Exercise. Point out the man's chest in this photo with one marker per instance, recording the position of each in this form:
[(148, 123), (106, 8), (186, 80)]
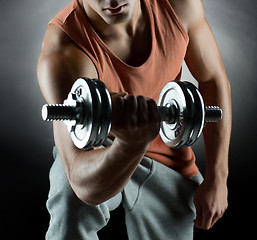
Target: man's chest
[(134, 51)]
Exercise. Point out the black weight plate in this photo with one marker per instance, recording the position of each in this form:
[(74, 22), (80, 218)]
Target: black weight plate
[(97, 111), (199, 114), (202, 117), (189, 121), (106, 113), (192, 116)]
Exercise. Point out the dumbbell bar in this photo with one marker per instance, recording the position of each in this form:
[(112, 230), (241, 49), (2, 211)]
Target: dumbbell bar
[(87, 113)]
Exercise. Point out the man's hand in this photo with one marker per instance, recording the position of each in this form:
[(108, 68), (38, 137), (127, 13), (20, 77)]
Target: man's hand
[(210, 203), (135, 120)]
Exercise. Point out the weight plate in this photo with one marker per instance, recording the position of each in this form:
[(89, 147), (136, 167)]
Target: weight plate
[(189, 123), (192, 118), (105, 113), (199, 114), (97, 109), (202, 118), (172, 134), (84, 134)]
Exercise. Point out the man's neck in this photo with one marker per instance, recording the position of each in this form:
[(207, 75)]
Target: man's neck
[(106, 30)]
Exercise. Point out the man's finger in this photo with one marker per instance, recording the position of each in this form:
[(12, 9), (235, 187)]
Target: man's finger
[(198, 219), (216, 217), (207, 216), (119, 94)]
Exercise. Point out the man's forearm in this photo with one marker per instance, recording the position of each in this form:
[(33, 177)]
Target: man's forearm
[(97, 175), (101, 174), (217, 135)]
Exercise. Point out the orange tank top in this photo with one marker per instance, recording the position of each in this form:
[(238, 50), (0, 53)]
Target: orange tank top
[(169, 44)]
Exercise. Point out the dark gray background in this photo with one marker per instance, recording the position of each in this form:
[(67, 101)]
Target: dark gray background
[(26, 141)]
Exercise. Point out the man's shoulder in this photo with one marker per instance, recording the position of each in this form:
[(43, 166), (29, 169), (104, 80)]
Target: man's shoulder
[(188, 7), (60, 63), (55, 41), (58, 45), (185, 2), (188, 11)]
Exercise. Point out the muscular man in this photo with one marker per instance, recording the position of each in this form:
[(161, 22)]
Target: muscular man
[(135, 47)]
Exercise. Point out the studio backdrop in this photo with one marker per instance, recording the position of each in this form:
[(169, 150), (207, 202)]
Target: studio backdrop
[(26, 141)]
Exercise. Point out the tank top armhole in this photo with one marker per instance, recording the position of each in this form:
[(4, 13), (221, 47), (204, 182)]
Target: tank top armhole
[(177, 20), (57, 22)]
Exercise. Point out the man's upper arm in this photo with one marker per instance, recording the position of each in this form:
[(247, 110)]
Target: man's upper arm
[(203, 57), (60, 64), (55, 77)]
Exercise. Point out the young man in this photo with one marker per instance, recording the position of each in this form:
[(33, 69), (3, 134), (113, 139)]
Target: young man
[(135, 47)]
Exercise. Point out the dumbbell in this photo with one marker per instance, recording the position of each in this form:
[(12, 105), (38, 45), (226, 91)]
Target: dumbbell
[(87, 112)]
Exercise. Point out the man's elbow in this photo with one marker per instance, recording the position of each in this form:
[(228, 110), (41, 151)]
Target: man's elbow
[(91, 196), (89, 201)]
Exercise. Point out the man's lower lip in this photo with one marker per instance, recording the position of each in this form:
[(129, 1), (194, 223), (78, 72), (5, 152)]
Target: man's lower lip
[(114, 11)]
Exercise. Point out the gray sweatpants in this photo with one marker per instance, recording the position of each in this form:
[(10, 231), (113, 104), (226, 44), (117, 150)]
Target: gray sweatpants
[(158, 204)]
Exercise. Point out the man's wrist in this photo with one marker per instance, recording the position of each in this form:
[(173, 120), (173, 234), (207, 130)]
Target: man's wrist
[(217, 174), (130, 149)]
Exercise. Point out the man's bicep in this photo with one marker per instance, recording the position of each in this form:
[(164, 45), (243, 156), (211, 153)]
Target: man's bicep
[(57, 72), (55, 76), (203, 57)]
